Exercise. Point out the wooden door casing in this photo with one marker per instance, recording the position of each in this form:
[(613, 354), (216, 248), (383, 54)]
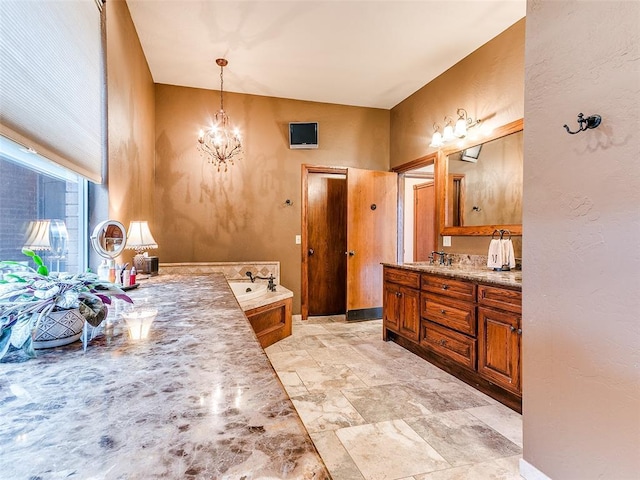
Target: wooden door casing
[(371, 235)]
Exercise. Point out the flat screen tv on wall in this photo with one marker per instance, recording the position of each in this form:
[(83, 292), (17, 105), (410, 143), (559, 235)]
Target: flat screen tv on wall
[(303, 135), (471, 154)]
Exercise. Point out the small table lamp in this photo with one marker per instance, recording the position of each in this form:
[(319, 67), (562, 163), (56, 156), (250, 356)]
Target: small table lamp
[(50, 236), (139, 238)]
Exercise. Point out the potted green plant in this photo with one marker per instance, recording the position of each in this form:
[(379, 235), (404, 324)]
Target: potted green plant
[(40, 310)]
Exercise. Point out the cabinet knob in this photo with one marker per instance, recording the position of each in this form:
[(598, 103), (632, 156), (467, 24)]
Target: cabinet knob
[(398, 294), (445, 286), (519, 331), (513, 329), (443, 312), (351, 253)]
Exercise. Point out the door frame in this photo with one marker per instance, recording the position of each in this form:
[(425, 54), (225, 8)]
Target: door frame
[(304, 287), (401, 170), (432, 184)]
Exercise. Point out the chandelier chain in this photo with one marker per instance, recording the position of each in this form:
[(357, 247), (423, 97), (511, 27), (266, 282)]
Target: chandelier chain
[(221, 88)]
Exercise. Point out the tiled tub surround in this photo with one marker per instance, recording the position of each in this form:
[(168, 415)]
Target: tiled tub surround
[(233, 271), (198, 399)]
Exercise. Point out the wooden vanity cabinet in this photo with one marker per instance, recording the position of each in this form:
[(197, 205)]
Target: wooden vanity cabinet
[(499, 336), (469, 329), (448, 319), (401, 303)]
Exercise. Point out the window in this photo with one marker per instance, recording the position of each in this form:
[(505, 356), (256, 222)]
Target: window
[(42, 207)]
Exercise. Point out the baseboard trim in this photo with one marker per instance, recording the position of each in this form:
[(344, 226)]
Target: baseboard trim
[(529, 472), (364, 314)]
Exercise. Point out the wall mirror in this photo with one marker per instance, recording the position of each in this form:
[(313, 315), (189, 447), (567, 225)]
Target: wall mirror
[(480, 185), (109, 238)]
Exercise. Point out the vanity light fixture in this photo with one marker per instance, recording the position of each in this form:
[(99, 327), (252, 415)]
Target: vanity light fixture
[(220, 144), (450, 131)]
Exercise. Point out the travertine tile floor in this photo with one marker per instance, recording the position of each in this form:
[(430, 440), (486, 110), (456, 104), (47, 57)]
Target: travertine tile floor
[(376, 411)]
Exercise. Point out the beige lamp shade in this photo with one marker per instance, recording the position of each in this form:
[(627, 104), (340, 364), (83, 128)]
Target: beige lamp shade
[(139, 236), (49, 235), (38, 235)]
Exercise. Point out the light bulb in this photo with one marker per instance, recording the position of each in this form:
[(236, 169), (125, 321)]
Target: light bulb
[(436, 140), (461, 128), (447, 134)]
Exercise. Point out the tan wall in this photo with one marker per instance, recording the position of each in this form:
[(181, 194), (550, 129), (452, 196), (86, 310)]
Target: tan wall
[(205, 215), (581, 281), (130, 105), (489, 84)]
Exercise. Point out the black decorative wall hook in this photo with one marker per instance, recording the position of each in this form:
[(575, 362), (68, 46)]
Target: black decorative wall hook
[(590, 122)]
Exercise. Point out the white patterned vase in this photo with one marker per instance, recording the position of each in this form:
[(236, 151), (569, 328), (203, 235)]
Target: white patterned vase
[(59, 328)]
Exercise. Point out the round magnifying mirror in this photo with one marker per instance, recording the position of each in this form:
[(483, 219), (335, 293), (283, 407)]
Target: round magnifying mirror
[(109, 238)]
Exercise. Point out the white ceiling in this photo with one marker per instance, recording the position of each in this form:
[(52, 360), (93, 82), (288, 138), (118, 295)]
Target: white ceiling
[(350, 52)]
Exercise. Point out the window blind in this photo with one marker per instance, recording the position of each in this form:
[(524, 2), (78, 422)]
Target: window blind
[(51, 81)]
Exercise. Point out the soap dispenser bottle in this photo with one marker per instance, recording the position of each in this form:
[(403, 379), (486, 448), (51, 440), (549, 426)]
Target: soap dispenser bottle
[(103, 270)]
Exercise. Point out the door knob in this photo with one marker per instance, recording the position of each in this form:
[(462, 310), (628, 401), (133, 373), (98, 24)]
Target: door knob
[(311, 251)]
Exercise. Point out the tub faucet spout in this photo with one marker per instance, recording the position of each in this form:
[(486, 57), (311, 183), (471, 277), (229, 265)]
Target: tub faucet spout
[(271, 286)]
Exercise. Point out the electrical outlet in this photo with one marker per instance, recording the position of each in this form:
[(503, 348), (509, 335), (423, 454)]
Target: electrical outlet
[(446, 241), (298, 239)]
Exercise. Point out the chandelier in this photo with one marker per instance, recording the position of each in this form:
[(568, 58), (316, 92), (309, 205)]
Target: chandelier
[(450, 131), (220, 144)]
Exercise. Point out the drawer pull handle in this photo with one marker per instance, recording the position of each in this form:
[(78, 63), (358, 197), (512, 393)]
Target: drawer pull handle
[(445, 286), (443, 343)]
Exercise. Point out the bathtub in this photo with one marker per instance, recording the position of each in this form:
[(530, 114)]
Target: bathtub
[(246, 290)]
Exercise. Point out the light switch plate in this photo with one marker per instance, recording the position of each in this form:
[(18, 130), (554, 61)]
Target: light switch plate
[(446, 241), (298, 239)]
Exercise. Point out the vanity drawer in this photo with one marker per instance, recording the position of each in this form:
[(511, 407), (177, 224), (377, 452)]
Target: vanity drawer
[(455, 346), (501, 298), (459, 289), (402, 277), (459, 316)]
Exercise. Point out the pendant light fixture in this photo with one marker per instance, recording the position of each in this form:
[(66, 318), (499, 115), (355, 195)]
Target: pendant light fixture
[(219, 143)]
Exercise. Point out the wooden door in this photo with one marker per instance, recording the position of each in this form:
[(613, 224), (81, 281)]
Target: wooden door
[(326, 243), (371, 238), (424, 221)]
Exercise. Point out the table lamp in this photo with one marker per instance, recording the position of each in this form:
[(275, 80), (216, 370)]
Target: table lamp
[(139, 238)]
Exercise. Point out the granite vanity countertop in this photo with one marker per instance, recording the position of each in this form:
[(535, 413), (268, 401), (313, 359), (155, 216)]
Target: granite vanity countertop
[(512, 278), (198, 399)]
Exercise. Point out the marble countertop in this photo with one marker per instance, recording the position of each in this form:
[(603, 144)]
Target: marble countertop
[(198, 399), (511, 279)]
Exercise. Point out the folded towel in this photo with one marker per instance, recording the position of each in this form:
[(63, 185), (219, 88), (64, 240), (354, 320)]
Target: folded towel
[(508, 257), (494, 258)]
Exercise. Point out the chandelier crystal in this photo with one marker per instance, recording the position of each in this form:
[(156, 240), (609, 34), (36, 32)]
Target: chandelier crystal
[(220, 144)]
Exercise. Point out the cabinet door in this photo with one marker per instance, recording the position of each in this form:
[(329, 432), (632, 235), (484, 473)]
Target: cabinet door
[(499, 348), (409, 313), (391, 308)]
